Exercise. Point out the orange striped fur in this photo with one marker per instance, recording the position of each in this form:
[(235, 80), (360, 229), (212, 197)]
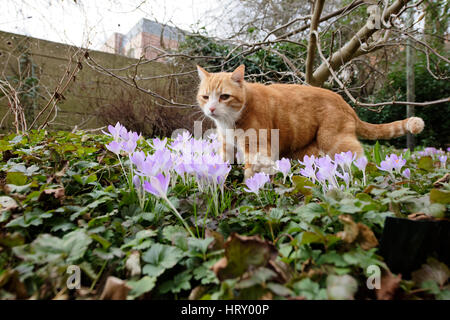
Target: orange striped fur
[(311, 120)]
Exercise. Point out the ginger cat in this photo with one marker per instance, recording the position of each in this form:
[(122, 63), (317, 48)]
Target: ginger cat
[(311, 120)]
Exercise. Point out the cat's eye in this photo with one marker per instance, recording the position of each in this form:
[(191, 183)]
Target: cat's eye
[(224, 97), (205, 97)]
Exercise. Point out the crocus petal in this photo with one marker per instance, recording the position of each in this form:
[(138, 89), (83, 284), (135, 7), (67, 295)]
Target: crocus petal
[(114, 147)]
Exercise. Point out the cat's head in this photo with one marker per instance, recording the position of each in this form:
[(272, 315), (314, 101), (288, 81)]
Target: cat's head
[(221, 95)]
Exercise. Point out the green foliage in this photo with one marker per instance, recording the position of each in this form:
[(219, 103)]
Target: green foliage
[(264, 63), (427, 88), (63, 202)]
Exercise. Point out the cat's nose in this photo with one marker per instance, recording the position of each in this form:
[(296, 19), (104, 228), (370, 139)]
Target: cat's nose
[(212, 109)]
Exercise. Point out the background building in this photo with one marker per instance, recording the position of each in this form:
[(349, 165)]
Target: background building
[(144, 39)]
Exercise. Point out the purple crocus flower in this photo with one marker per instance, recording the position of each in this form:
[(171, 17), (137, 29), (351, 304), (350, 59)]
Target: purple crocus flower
[(148, 168), (163, 159), (397, 162), (309, 172), (406, 173), (430, 151), (114, 147), (361, 163), (283, 166), (256, 182), (158, 144), (386, 165), (327, 168), (308, 161), (138, 158), (217, 172), (129, 146), (137, 182), (344, 159), (443, 160), (115, 131), (158, 185), (129, 135)]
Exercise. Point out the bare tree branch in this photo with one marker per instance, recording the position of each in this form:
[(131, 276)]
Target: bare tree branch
[(318, 7), (347, 52)]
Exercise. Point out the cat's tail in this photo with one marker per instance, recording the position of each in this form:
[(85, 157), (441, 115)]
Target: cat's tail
[(390, 130)]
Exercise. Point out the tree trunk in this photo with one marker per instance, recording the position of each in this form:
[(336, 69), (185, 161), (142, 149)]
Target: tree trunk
[(410, 94)]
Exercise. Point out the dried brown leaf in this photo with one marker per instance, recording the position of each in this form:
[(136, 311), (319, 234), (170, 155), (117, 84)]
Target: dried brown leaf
[(440, 182), (218, 242), (115, 289), (133, 264), (388, 286), (366, 238), (350, 229), (432, 270), (243, 254), (419, 216), (197, 292)]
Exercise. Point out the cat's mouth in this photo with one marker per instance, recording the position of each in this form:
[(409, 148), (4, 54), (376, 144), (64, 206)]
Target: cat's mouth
[(213, 116)]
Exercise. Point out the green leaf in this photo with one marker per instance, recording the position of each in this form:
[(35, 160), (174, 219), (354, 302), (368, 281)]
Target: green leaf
[(199, 245), (105, 243), (426, 163), (377, 153), (332, 257), (33, 218), (309, 289), (302, 185), (16, 178), (75, 243), (310, 212), (258, 277), (180, 282), (279, 289), (440, 196), (159, 258), (140, 287), (205, 274)]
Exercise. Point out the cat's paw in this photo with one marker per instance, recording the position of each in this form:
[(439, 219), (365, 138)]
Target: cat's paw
[(248, 173)]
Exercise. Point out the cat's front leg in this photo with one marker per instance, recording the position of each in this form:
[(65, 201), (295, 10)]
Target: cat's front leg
[(248, 171)]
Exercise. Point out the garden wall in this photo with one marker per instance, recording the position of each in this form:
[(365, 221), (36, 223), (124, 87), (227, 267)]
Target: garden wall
[(91, 93)]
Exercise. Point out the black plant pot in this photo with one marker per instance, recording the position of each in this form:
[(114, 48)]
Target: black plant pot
[(406, 244)]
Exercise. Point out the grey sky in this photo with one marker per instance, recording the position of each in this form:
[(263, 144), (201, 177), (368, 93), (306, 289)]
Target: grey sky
[(75, 23)]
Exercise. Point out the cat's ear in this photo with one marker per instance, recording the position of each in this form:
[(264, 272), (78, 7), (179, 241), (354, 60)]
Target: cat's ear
[(238, 74), (202, 73)]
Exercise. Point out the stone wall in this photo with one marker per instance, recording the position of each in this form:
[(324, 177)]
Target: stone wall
[(91, 91)]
